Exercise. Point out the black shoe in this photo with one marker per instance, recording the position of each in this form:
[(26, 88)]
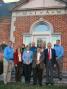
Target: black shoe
[(60, 79), (47, 83), (40, 84), (34, 83), (52, 84)]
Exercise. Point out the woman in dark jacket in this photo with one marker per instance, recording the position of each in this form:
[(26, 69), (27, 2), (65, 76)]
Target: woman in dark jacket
[(38, 66)]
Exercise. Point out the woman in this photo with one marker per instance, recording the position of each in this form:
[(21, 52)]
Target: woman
[(18, 64), (38, 65), (27, 63)]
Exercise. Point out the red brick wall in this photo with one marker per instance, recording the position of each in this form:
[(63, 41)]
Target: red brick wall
[(23, 25), (59, 22), (4, 30)]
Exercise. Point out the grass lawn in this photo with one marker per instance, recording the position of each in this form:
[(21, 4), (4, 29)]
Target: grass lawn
[(24, 86)]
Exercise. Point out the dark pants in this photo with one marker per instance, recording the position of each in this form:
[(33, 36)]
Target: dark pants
[(1, 67), (18, 72), (37, 75), (27, 72), (49, 72)]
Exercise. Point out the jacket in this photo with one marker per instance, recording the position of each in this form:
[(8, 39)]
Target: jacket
[(35, 60), (9, 53)]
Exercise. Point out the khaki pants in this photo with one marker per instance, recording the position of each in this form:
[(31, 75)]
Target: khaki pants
[(59, 64), (8, 66)]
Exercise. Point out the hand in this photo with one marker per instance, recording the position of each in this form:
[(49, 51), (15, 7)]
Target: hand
[(28, 61), (15, 65), (38, 62)]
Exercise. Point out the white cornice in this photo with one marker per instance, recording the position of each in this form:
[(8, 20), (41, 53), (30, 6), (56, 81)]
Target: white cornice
[(40, 12)]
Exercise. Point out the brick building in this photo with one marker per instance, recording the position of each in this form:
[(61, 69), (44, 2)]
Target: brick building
[(37, 20)]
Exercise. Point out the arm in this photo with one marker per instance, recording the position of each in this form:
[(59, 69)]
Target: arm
[(6, 53), (24, 57), (42, 57), (61, 52)]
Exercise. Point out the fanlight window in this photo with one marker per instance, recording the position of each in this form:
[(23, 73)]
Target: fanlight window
[(41, 28)]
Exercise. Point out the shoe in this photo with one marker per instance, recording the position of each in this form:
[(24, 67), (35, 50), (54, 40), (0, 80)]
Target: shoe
[(52, 84), (47, 83), (40, 84), (34, 83), (60, 79)]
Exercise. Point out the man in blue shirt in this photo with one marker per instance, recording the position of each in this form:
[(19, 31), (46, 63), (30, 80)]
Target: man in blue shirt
[(59, 58), (8, 62), (33, 47)]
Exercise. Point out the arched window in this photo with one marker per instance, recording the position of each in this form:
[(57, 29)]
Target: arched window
[(41, 28), (41, 31)]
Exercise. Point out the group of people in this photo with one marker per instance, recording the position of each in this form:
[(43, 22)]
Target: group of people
[(31, 59)]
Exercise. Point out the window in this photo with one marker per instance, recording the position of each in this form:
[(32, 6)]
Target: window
[(41, 28), (27, 39)]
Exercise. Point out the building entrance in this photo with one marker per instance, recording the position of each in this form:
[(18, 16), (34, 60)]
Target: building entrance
[(41, 31)]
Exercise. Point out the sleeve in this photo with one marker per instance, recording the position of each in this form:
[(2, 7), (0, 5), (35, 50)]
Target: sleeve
[(61, 52), (44, 53), (24, 57), (42, 56), (15, 58), (6, 56), (54, 56)]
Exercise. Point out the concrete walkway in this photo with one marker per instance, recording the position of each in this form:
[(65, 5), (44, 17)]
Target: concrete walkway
[(56, 80)]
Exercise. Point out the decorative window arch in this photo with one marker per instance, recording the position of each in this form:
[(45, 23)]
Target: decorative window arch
[(41, 27), (41, 30)]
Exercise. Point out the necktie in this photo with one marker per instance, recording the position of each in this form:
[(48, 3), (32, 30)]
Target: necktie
[(49, 54)]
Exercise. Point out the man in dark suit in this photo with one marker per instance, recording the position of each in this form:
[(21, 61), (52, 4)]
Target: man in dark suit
[(50, 57)]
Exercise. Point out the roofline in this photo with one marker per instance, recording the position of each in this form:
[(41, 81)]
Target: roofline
[(25, 1), (40, 8), (63, 1), (20, 3)]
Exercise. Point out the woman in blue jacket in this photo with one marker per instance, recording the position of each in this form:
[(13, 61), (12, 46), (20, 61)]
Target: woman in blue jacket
[(27, 59)]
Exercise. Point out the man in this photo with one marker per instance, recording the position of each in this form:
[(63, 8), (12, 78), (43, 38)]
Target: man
[(3, 45), (33, 47), (8, 62), (59, 58), (1, 60), (43, 46), (34, 50), (50, 57)]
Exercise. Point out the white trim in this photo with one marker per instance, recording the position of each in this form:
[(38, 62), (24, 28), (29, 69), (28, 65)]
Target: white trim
[(25, 35), (40, 12), (12, 37)]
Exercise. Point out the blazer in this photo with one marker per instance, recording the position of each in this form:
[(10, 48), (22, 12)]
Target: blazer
[(16, 58), (35, 60), (53, 55)]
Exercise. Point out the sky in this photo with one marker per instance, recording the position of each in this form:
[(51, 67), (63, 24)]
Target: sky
[(6, 1)]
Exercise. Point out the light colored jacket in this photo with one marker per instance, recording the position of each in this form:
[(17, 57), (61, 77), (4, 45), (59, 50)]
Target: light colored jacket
[(27, 56)]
